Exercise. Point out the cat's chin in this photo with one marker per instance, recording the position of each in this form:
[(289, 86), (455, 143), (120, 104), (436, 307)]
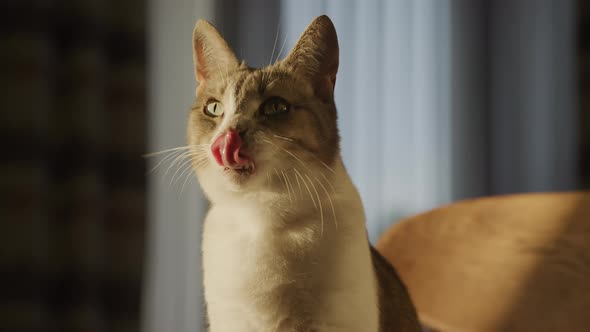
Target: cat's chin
[(218, 181), (238, 174), (239, 177)]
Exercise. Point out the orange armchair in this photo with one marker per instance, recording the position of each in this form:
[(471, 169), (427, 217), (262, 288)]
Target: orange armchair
[(505, 263)]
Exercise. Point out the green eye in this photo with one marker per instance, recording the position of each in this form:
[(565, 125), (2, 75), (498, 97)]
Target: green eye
[(275, 105), (214, 109)]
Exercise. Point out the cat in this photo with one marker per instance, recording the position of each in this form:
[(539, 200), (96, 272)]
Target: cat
[(284, 242)]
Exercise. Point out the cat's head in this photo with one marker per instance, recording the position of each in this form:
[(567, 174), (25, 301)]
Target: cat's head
[(256, 129)]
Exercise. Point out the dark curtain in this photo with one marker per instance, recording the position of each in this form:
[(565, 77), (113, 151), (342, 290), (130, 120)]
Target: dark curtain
[(584, 90), (72, 127)]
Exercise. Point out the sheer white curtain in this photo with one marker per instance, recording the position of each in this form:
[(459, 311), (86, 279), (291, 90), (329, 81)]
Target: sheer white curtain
[(172, 298)]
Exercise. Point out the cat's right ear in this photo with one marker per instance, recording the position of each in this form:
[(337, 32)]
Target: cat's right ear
[(211, 54)]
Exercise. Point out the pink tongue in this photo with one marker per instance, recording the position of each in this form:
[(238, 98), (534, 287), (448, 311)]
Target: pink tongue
[(226, 150)]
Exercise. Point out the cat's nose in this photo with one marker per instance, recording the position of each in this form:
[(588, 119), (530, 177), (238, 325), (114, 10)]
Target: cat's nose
[(227, 150)]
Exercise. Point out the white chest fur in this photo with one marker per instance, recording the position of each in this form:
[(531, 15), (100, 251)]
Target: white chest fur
[(260, 277)]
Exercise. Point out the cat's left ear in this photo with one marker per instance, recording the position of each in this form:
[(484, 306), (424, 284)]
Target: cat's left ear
[(210, 51), (315, 55)]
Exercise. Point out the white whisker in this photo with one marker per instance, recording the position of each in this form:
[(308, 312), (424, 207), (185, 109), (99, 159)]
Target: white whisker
[(289, 152), (306, 187), (328, 182), (298, 184), (281, 50), (189, 176), (168, 157), (182, 165), (188, 168), (326, 166), (186, 161), (288, 189), (283, 137), (311, 154), (290, 183), (330, 201), (152, 154), (319, 203), (176, 160), (200, 162), (279, 176), (275, 44)]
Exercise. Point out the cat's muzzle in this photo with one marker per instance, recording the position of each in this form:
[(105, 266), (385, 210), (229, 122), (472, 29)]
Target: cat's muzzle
[(228, 152)]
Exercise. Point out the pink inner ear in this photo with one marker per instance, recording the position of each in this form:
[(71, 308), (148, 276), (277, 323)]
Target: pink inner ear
[(200, 62), (200, 75)]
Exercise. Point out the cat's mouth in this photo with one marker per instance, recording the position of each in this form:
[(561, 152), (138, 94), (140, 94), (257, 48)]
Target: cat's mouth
[(229, 153), (241, 170)]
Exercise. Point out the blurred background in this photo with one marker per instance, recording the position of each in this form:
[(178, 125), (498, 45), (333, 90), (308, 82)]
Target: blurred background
[(438, 100)]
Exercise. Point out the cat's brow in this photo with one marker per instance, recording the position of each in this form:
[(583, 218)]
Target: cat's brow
[(238, 85)]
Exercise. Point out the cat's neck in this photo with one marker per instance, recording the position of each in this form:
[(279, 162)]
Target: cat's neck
[(260, 250)]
